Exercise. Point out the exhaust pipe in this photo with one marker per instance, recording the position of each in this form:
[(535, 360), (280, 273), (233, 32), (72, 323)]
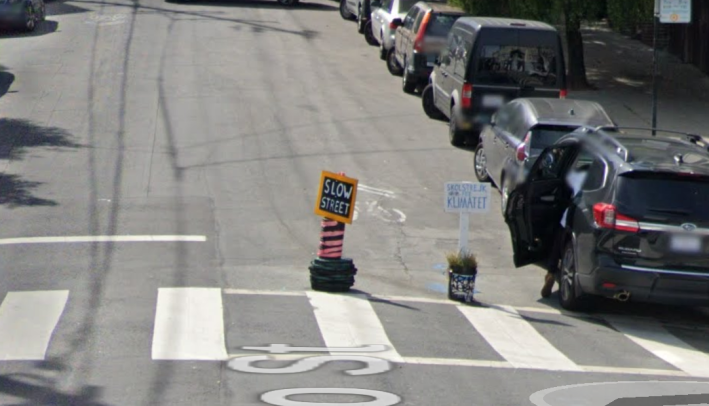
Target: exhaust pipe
[(622, 296)]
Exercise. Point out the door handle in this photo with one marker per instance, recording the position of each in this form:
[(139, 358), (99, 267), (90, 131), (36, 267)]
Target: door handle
[(445, 75)]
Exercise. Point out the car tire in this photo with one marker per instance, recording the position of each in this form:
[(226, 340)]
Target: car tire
[(360, 20), (344, 13), (382, 50), (30, 20), (569, 297), (392, 64), (455, 135), (369, 35), (480, 163), (504, 193), (429, 105), (407, 85)]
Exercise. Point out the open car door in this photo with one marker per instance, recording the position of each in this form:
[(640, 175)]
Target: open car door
[(535, 207)]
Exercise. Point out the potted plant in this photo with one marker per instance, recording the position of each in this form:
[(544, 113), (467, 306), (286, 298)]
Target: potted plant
[(462, 270)]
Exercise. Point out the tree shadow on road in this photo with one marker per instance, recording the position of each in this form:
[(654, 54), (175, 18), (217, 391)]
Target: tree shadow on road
[(37, 391), (16, 135), (6, 79)]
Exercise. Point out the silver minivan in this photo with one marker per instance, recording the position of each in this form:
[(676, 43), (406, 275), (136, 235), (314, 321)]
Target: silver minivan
[(521, 129)]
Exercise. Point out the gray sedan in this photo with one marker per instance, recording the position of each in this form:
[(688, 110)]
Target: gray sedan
[(521, 129)]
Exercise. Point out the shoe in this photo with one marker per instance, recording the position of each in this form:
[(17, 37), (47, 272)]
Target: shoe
[(548, 285)]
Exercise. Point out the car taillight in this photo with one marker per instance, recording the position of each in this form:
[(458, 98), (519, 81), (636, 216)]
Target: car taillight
[(418, 42), (523, 148), (466, 98), (606, 216), (563, 93), (393, 26)]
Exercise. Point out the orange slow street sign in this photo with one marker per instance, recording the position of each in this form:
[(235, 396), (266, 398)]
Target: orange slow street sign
[(336, 197)]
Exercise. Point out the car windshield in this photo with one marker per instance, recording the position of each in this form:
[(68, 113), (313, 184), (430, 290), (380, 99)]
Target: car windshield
[(683, 198), (441, 24), (544, 136)]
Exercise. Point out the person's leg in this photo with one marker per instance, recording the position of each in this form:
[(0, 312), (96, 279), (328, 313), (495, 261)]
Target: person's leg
[(553, 264)]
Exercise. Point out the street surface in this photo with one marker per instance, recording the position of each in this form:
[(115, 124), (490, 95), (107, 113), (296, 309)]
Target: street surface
[(160, 163)]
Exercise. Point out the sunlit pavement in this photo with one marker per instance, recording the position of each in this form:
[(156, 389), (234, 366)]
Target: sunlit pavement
[(160, 164)]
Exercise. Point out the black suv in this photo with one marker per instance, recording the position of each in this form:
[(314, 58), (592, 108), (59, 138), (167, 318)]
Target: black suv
[(638, 226), (419, 40)]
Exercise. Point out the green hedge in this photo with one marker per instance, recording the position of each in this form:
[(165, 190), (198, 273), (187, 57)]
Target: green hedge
[(626, 15)]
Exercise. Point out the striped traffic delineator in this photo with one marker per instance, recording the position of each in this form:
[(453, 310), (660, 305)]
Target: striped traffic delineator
[(330, 272)]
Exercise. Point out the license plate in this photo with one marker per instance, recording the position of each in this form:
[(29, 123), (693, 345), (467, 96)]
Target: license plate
[(493, 101), (690, 244)]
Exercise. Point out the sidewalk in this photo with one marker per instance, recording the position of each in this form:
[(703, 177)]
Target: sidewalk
[(621, 70)]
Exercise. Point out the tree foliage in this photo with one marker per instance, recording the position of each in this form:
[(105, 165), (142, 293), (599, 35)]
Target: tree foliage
[(626, 15)]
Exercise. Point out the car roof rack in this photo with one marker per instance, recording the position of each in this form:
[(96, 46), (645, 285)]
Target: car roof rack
[(606, 138), (693, 138)]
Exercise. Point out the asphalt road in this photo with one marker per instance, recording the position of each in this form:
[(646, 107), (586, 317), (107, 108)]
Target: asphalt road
[(191, 136)]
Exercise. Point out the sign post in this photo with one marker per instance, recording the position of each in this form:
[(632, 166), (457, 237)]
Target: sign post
[(465, 198), (666, 12), (335, 203)]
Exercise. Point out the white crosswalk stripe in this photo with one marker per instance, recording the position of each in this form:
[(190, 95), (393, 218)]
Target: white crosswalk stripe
[(350, 321), (656, 339), (516, 340), (27, 321), (189, 325)]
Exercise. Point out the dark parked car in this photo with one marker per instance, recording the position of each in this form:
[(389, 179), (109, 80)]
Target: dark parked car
[(23, 14), (419, 40), (487, 62), (637, 230), (521, 129)]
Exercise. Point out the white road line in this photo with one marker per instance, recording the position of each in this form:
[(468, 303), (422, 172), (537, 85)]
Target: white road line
[(458, 362), (263, 292), (189, 325), (27, 321), (633, 371), (103, 238), (375, 191), (350, 321), (516, 340), (657, 340)]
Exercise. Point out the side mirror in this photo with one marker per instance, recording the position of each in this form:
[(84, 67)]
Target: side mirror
[(397, 22)]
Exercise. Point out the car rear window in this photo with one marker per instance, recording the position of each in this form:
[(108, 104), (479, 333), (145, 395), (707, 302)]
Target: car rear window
[(544, 136), (441, 24), (668, 198), (518, 58)]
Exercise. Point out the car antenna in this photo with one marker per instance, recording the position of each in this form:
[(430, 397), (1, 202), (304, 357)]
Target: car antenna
[(572, 112)]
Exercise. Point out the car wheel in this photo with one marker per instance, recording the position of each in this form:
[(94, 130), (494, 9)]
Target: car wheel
[(455, 135), (392, 64), (344, 12), (360, 20), (429, 107), (382, 50), (30, 20), (480, 162), (504, 194), (568, 298), (369, 35), (407, 85)]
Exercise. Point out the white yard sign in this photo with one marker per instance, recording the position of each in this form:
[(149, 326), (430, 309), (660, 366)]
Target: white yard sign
[(465, 198), (675, 11)]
